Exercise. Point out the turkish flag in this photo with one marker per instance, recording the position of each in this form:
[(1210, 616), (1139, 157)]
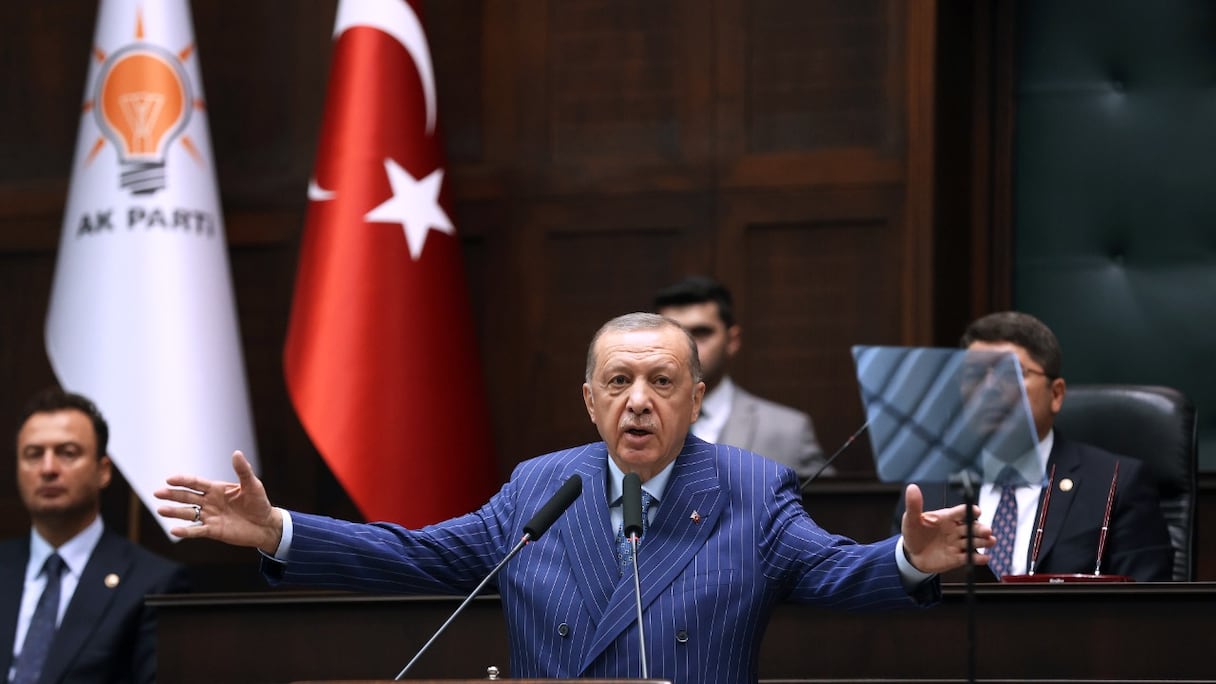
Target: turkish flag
[(381, 360)]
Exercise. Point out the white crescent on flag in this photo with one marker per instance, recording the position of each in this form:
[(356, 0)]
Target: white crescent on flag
[(397, 19)]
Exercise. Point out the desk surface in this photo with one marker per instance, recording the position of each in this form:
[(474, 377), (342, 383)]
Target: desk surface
[(1024, 632)]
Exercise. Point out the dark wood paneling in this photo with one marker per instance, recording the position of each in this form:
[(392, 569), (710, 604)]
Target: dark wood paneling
[(816, 272), (598, 150), (590, 267), (1090, 638)]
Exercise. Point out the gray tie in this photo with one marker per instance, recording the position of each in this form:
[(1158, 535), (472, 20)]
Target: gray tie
[(42, 626)]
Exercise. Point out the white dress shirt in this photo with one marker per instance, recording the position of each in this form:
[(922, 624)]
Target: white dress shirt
[(1028, 504), (715, 411), (75, 554)]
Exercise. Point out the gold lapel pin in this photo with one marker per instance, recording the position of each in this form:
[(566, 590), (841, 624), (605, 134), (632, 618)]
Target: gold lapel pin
[(1066, 485), (111, 580)]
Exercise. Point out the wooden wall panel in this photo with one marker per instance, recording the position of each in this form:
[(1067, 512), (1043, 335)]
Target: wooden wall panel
[(45, 54), (822, 75), (598, 150), (818, 272), (799, 73), (597, 259)]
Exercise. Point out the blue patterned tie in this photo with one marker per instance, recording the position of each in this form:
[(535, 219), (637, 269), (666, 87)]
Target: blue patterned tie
[(624, 549), (42, 626), (1005, 525)]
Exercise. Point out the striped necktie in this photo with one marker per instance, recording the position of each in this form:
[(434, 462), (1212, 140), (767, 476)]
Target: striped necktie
[(42, 625), (624, 549), (1005, 523)]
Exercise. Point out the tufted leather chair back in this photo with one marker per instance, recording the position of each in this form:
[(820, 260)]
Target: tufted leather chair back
[(1155, 425), (1114, 218)]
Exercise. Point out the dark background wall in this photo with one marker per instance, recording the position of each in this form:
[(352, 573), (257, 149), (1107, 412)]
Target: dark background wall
[(847, 167), (1115, 219)]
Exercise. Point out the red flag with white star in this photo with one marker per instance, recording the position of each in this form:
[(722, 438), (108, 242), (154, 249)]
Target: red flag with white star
[(381, 360)]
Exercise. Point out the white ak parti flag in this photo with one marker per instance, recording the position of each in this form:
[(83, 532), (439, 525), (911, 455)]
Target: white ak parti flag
[(142, 317)]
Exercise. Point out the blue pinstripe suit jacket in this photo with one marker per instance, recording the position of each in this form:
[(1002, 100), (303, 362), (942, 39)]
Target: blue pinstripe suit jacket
[(708, 587)]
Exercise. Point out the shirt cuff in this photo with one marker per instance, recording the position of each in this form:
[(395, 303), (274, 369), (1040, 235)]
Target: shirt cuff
[(280, 553), (908, 573)]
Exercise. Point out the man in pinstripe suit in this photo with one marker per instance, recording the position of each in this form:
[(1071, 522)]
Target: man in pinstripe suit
[(727, 540)]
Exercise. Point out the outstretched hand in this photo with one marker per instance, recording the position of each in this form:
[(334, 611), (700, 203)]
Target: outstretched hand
[(237, 513), (936, 541)]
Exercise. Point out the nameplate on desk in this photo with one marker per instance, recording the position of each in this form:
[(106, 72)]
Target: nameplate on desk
[(1064, 578)]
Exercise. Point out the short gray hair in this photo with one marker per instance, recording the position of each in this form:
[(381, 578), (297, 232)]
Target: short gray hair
[(644, 321)]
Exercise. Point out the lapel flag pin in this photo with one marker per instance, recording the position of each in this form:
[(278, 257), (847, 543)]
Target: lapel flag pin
[(695, 517)]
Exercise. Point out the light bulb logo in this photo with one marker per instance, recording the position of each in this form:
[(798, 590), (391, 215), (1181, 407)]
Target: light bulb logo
[(142, 105)]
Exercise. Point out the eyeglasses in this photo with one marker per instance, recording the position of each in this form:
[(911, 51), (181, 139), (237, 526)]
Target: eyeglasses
[(973, 375), (1027, 372)]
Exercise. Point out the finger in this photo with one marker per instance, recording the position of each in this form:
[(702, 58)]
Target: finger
[(244, 471), (190, 532), (185, 496), (194, 482), (180, 512), (914, 501)]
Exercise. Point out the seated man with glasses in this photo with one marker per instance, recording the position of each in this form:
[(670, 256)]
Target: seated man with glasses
[(1074, 478)]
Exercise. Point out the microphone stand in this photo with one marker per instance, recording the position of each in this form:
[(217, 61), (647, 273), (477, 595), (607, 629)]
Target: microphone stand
[(544, 518), (631, 525), (637, 592), (815, 476), (966, 482), (511, 554)]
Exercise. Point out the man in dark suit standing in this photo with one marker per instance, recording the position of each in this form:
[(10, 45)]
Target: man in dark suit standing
[(72, 592), (726, 538), (1079, 475), (729, 413)]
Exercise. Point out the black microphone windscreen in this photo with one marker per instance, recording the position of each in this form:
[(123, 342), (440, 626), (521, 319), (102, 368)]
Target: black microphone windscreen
[(631, 504), (548, 514)]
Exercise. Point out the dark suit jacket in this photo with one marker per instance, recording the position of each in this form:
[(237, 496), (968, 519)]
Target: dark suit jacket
[(774, 431), (1137, 542), (730, 539), (107, 635)]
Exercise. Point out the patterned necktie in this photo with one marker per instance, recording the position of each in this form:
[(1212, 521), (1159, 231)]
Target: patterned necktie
[(42, 625), (1005, 525), (624, 549)]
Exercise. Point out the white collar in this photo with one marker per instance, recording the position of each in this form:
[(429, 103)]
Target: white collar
[(75, 552), (655, 486), (717, 402), (1031, 474)]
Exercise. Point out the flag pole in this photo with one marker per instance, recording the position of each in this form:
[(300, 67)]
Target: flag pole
[(134, 505)]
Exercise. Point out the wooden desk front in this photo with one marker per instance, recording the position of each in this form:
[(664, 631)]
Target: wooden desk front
[(1127, 632)]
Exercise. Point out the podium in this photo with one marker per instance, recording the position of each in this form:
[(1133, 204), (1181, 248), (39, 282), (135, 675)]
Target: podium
[(1123, 631)]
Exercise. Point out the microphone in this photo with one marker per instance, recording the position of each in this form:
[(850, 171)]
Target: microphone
[(538, 525), (631, 507), (1038, 532), (848, 442), (1110, 501), (631, 504), (557, 504)]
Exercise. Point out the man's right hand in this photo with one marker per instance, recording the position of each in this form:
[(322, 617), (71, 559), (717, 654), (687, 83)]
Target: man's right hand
[(237, 513)]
